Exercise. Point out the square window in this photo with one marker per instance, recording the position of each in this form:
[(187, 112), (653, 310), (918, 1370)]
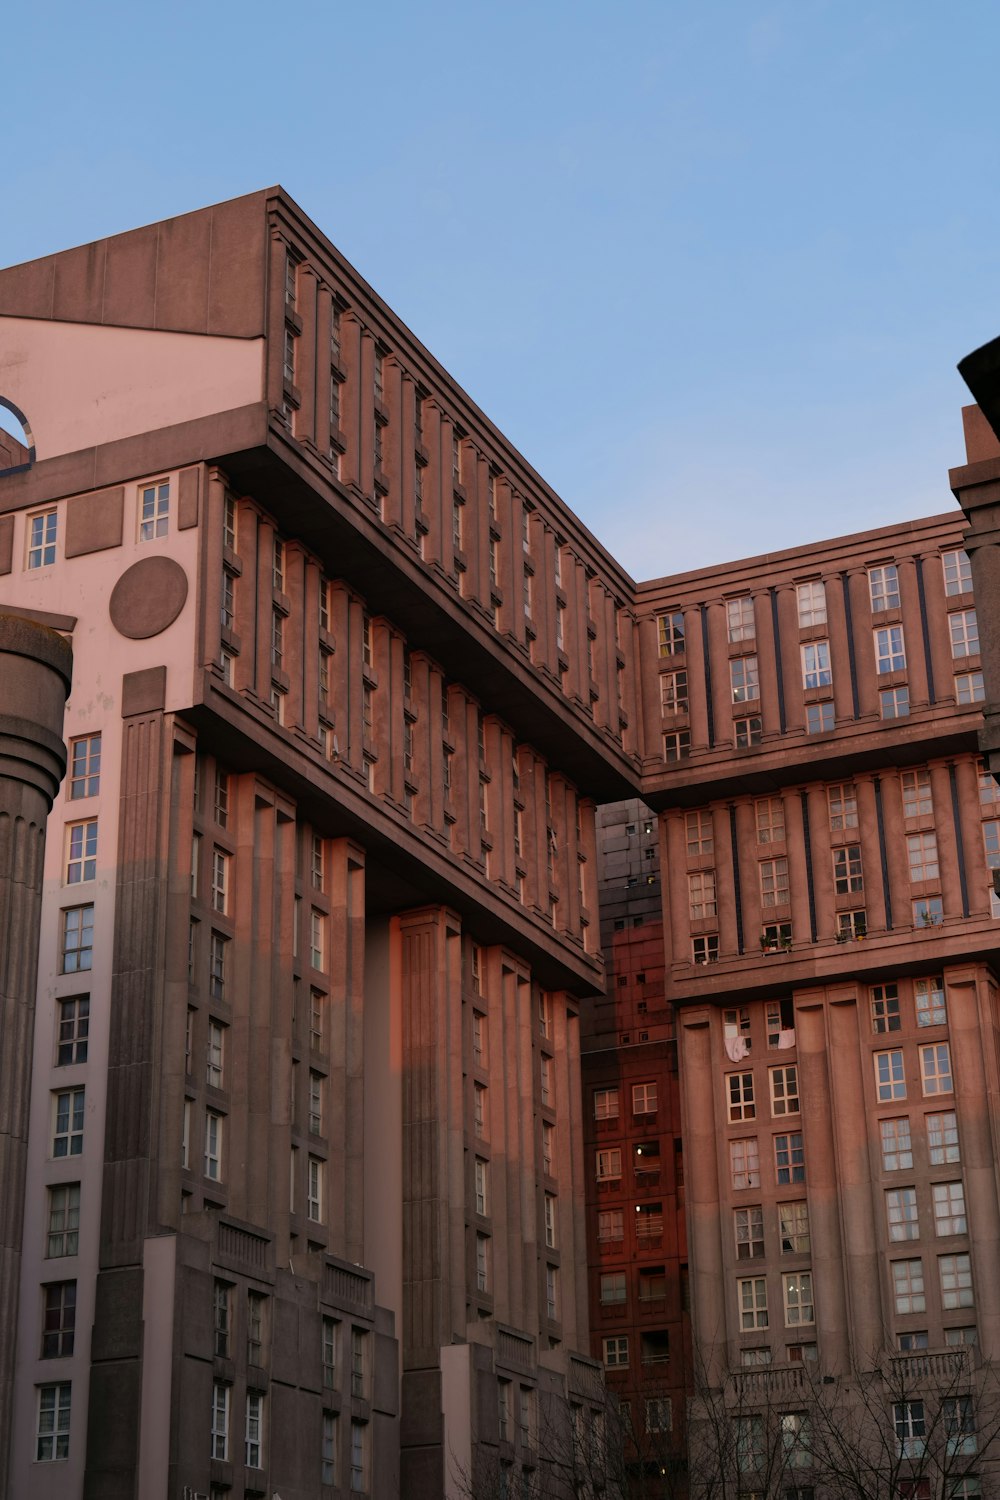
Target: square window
[(921, 853), (63, 1236), (84, 766), (793, 1228), (77, 939), (154, 510), (901, 1213), (964, 628), (68, 1117), (811, 598), (42, 531), (955, 1272), (744, 1163), (798, 1291), (789, 1159), (969, 687), (74, 1027), (883, 587), (747, 732), (935, 1069), (784, 1090), (942, 1138), (52, 1429), (894, 703), (851, 924), (908, 1286), (897, 1148), (677, 746), (885, 1008), (749, 1227), (890, 650), (741, 1099), (819, 718), (928, 911), (949, 1208), (752, 1298), (816, 669), (705, 949), (890, 1080)]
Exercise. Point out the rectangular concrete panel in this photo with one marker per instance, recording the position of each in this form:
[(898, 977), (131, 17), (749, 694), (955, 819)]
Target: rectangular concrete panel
[(94, 522)]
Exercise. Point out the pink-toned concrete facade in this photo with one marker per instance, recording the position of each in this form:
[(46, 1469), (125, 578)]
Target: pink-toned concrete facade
[(306, 1210), (316, 1143)]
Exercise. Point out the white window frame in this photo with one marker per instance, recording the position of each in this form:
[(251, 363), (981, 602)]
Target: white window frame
[(935, 1069), (153, 510), (816, 669), (811, 601), (797, 1292), (751, 1302), (890, 649)]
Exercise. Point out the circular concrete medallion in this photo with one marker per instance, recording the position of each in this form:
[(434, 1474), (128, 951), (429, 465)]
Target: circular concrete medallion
[(148, 597)]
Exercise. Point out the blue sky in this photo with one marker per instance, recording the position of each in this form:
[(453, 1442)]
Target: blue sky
[(709, 265)]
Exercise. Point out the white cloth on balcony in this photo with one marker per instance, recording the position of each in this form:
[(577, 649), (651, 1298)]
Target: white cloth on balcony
[(737, 1047), (786, 1039)]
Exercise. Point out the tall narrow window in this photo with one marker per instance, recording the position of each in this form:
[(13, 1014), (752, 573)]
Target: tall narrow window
[(957, 573), (74, 1030), (816, 670), (67, 1133), (154, 510), (59, 1320), (52, 1429), (63, 1236), (812, 604), (85, 766), (77, 939), (883, 585), (42, 533)]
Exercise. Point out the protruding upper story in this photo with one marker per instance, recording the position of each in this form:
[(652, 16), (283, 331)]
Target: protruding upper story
[(239, 334), (376, 586), (781, 667)]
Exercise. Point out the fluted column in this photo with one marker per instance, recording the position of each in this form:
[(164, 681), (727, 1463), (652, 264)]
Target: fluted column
[(35, 670)]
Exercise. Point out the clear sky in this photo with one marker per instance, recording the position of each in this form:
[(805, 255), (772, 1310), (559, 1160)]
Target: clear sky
[(710, 264)]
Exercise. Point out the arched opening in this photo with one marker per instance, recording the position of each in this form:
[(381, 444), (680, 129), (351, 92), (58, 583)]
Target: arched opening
[(17, 446)]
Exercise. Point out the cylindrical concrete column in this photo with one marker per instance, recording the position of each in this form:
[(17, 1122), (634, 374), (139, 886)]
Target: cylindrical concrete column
[(35, 670)]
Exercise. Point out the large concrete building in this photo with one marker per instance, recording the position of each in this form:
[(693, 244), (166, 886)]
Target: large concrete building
[(306, 1178), (329, 1083)]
